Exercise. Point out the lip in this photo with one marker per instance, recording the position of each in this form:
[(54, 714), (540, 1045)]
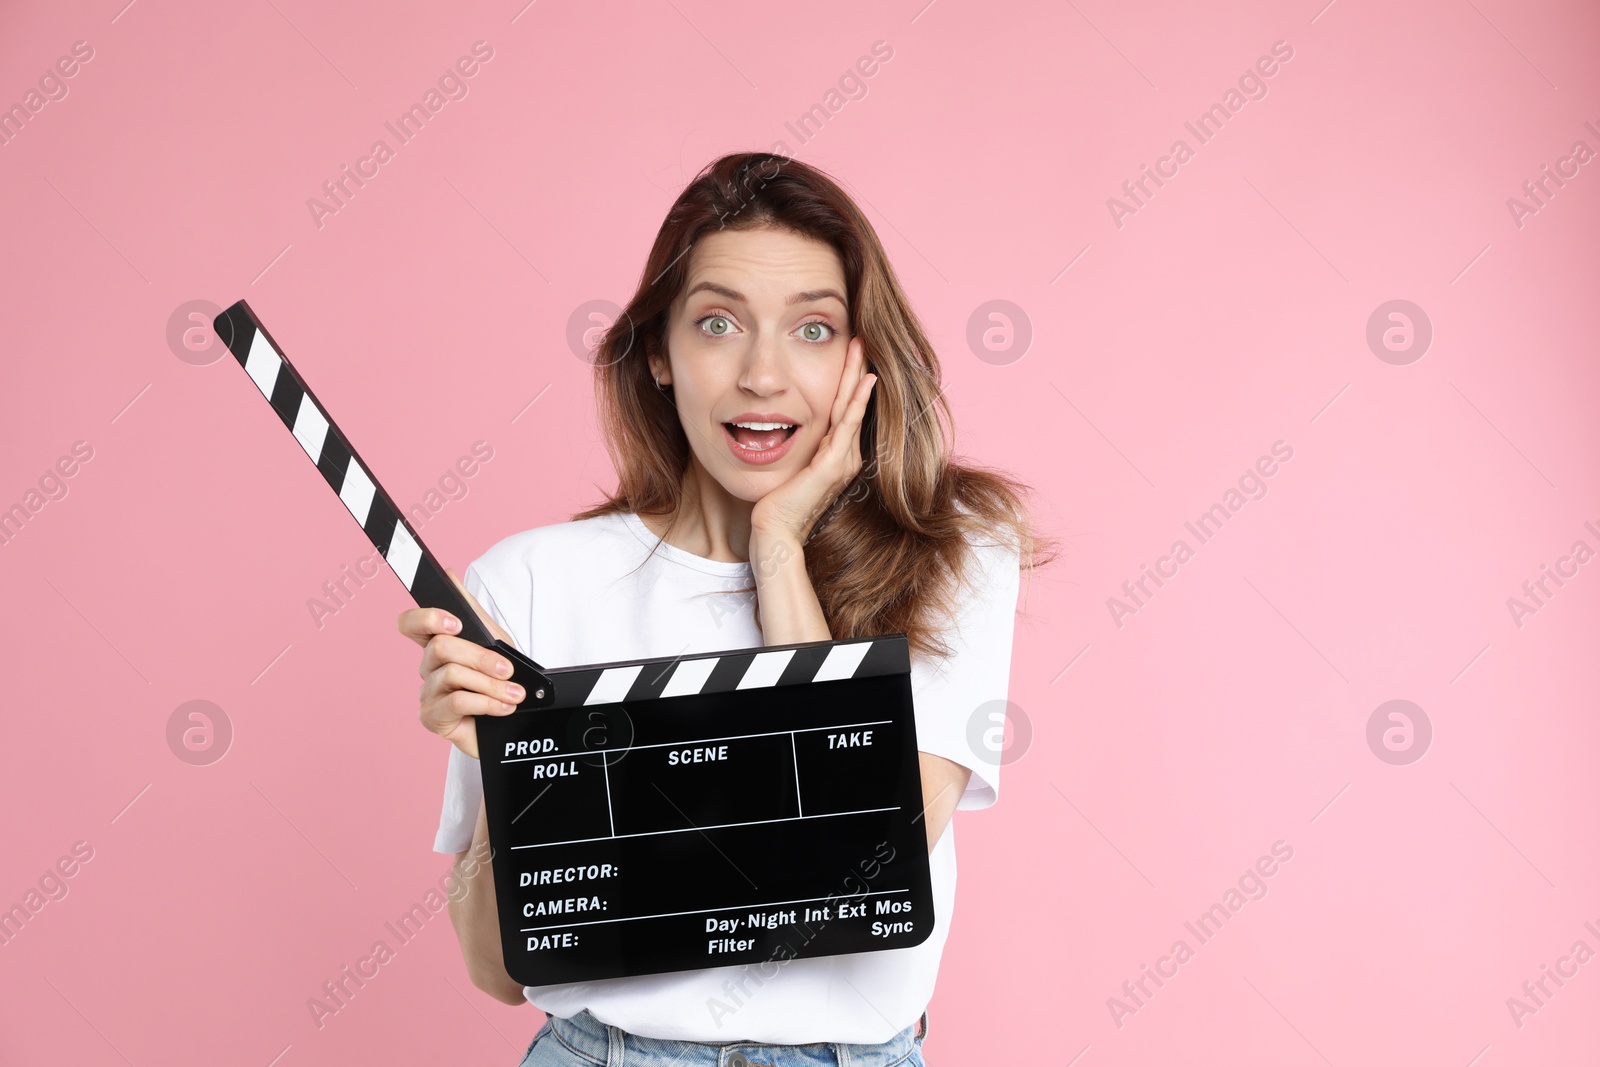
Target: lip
[(764, 416), (761, 457)]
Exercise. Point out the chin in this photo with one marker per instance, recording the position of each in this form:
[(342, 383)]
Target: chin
[(750, 484), (754, 486)]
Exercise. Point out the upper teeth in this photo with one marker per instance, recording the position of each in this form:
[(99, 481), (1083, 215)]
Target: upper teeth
[(765, 425)]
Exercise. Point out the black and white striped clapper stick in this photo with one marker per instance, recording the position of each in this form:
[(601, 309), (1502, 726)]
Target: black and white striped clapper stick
[(352, 479)]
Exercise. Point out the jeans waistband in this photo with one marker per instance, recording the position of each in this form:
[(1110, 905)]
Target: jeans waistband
[(611, 1046)]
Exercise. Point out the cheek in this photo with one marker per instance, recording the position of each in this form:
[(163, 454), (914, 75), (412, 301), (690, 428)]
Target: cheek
[(694, 396), (694, 404), (820, 391)]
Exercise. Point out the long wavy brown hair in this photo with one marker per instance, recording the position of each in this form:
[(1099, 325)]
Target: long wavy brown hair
[(888, 555)]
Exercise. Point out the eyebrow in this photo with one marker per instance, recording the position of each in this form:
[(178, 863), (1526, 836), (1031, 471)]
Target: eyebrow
[(798, 298)]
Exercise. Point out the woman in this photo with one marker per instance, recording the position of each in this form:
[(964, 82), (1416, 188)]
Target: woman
[(767, 349)]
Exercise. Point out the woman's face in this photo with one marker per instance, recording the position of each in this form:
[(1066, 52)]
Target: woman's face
[(758, 336)]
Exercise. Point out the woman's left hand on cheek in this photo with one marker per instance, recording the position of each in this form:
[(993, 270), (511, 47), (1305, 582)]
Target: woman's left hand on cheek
[(788, 512)]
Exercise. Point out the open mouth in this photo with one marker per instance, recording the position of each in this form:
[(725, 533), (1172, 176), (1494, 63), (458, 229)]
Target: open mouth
[(759, 436)]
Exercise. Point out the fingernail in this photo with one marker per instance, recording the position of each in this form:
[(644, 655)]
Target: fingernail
[(452, 624), (503, 669), (515, 692)]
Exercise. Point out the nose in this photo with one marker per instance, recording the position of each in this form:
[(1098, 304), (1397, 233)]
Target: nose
[(765, 370)]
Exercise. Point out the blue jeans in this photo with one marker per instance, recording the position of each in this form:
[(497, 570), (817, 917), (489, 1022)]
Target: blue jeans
[(585, 1041)]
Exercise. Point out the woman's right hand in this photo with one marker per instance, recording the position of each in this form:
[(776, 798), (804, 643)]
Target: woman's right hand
[(460, 679)]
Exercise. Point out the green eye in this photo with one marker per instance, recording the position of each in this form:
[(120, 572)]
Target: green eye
[(818, 326), (726, 325)]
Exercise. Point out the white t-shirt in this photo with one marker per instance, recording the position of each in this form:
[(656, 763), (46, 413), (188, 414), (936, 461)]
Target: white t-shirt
[(574, 593)]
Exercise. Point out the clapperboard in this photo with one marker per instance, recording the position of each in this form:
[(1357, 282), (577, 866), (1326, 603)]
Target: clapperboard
[(668, 814)]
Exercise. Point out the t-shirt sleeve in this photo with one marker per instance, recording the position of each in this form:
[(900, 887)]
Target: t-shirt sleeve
[(958, 697), (463, 778)]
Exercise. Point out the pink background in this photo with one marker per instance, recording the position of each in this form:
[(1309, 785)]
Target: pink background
[(1228, 313)]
